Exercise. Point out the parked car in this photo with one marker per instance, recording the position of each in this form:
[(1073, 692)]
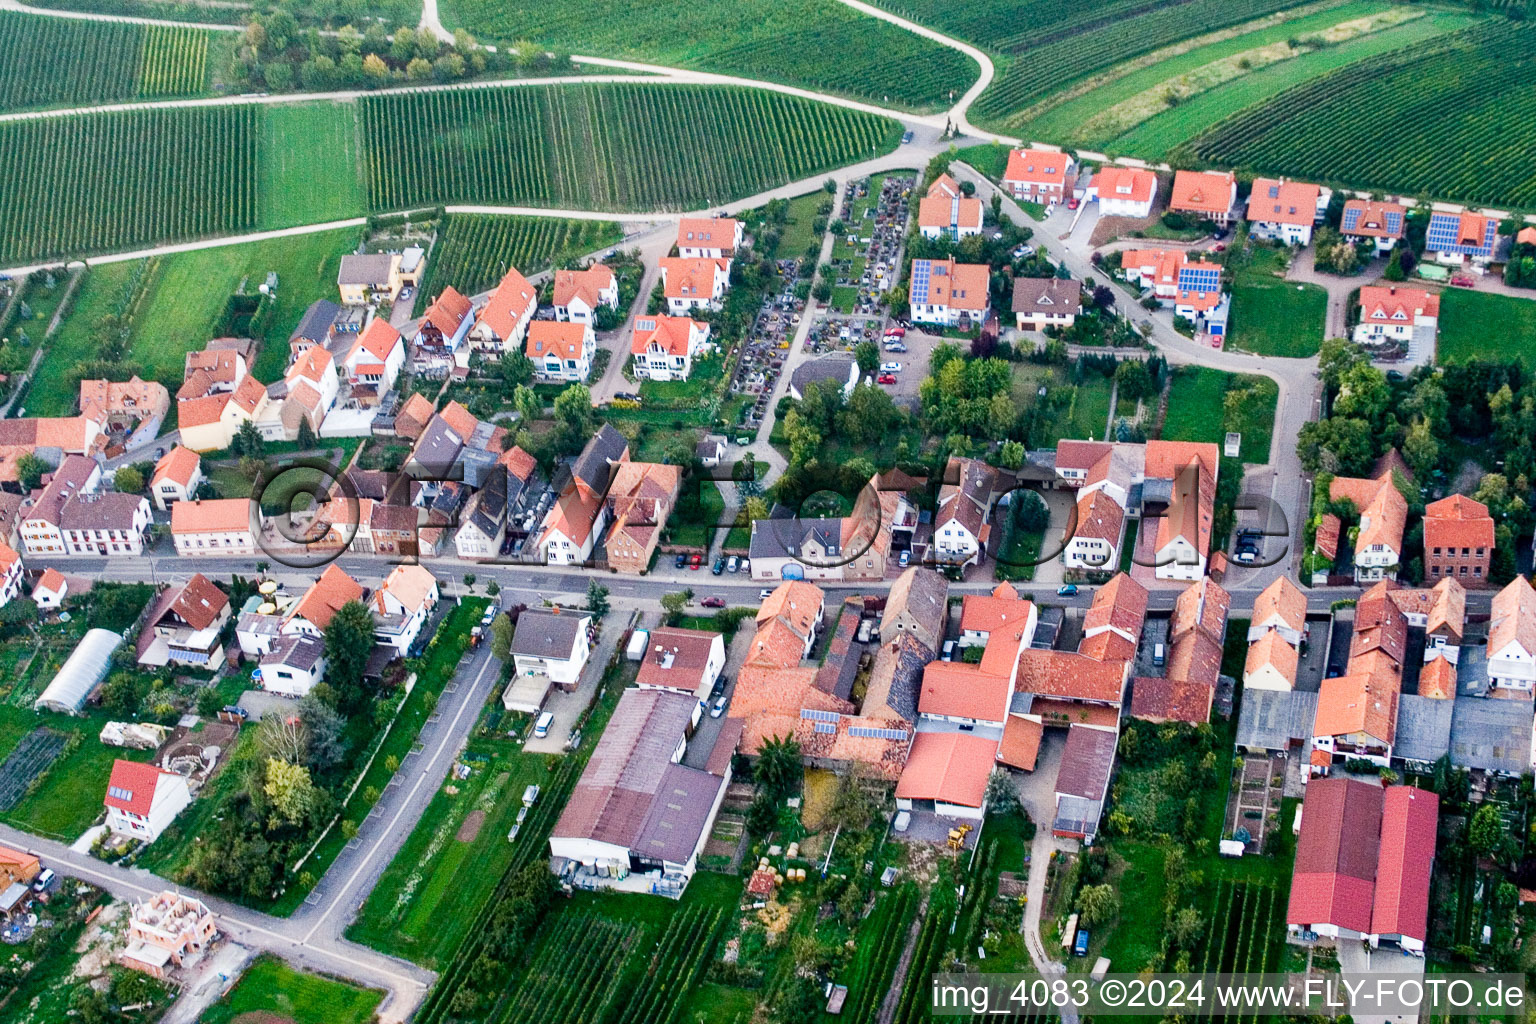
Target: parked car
[(1023, 252), (905, 559), (906, 137), (949, 651), (719, 566), (895, 346), (733, 564), (886, 378), (682, 560), (695, 562), (1072, 203), (764, 594), (541, 727), (43, 880), (719, 707), (1067, 590), (895, 332), (890, 367), (713, 602)]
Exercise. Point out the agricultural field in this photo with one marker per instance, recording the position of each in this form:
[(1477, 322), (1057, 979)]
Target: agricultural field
[(1270, 315), (1345, 127), (818, 44), (270, 990), (1196, 409), (92, 182), (621, 148), (474, 251), (1486, 325), (59, 61), (1247, 928), (310, 172), (330, 13)]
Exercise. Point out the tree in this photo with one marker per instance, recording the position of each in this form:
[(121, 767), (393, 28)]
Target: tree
[(674, 604), (597, 598), (307, 437), (325, 744), (1339, 446), (1096, 905), (291, 791), (18, 613), (283, 738), (1394, 271), (1001, 796), (30, 470), (160, 704), (1421, 449), (418, 70), (248, 441), (1187, 928), (868, 357), (527, 402), (469, 581), (1485, 832), (348, 642), (501, 637), (756, 508), (573, 412), (870, 415), (1134, 379), (778, 766), (1011, 454), (128, 480)]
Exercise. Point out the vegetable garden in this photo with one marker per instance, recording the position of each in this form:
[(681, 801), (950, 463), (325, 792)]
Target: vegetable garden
[(474, 251), (582, 985), (28, 761), (1478, 87), (61, 60), (91, 182), (882, 937), (609, 147)]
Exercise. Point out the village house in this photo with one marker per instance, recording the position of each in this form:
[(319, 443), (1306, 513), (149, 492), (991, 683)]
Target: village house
[(135, 407), (209, 422), (709, 238), (402, 605), (579, 294), (321, 324), (561, 350), (177, 477), (185, 625), (443, 328), (1205, 195), (71, 435), (169, 929), (691, 284), (641, 496), (1275, 633), (310, 394), (835, 369), (1285, 211), (947, 213), (948, 293), (573, 523), (1380, 225), (71, 515), (1458, 540), (684, 661), (11, 570), (372, 358), (51, 589), (374, 277), (213, 526), (1512, 640), (664, 347), (503, 320), (1357, 712), (550, 647), (1383, 515), (1457, 239), (313, 612), (1124, 191), (1041, 302), (1082, 781), (1193, 288), (211, 369), (142, 800), (1094, 534), (1041, 176), (1196, 634), (294, 665), (483, 522), (1394, 313), (962, 524)]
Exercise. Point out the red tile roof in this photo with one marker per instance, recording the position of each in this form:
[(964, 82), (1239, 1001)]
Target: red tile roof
[(1458, 522), (1131, 183), (956, 285), (131, 786), (1283, 202), (1409, 821), (513, 299), (178, 465), (1282, 600), (322, 600), (1437, 679), (1121, 604), (1336, 854), (1328, 530), (582, 284), (691, 278), (1388, 303), (955, 689), (670, 333), (1171, 700), (1372, 222), (1020, 746), (1208, 192), (564, 339), (1070, 675), (1038, 166), (448, 312), (951, 767), (707, 233)]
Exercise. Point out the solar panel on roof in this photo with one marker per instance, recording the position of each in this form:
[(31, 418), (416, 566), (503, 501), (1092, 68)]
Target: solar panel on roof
[(920, 277), (815, 714), (826, 727), (1199, 279), (119, 793), (1351, 218), (1394, 221)]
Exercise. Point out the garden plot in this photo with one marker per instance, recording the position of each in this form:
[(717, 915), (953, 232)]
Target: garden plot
[(31, 758), (1254, 802)]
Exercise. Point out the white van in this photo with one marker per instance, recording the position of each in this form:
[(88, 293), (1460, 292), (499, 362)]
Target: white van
[(541, 727)]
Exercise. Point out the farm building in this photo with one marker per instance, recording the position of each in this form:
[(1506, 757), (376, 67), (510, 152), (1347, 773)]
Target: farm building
[(81, 673), (1082, 783)]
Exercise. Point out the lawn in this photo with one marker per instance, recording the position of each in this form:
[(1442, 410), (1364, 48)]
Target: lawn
[(100, 294), (799, 230), (1087, 413), (309, 164), (1196, 410), (1271, 316), (270, 988), (69, 800), (1485, 325)]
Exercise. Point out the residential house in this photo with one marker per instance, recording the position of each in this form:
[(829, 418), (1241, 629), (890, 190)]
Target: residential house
[(641, 496), (312, 386), (177, 476), (1383, 515), (210, 422), (787, 623), (962, 525), (1114, 620), (664, 347), (1124, 191), (1094, 534), (1394, 313), (576, 519), (709, 238), (1357, 712), (948, 771), (1512, 639), (947, 213), (212, 370), (1378, 224), (72, 516), (1458, 540), (412, 419), (1271, 663), (638, 818), (17, 868), (1285, 211), (72, 435), (1184, 471), (142, 800), (579, 294), (684, 661), (1041, 302), (1459, 238), (552, 646), (1280, 607), (167, 930), (402, 605), (11, 570), (50, 591), (948, 293), (1041, 176), (318, 326), (691, 284), (369, 277), (710, 452), (294, 665), (373, 358), (1364, 858), (483, 523), (561, 350), (443, 328), (1082, 780), (185, 625), (1205, 195), (503, 320), (918, 603), (313, 612), (214, 526), (836, 369), (1196, 634)]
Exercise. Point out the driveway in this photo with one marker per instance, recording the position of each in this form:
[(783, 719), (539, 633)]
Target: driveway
[(567, 707), (1355, 958)]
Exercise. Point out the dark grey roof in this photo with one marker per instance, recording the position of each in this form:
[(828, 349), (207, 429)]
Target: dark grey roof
[(1423, 728), (1491, 734), (678, 814), (709, 449), (1087, 762), (369, 269), (1077, 815), (907, 677), (594, 464), (487, 510), (317, 321), (438, 448), (476, 465), (1046, 295), (1271, 719), (300, 652), (110, 510), (832, 367), (541, 633)]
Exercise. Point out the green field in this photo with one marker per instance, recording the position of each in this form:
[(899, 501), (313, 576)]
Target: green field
[(1196, 411), (623, 149), (309, 164), (271, 988), (474, 251), (819, 44), (100, 294), (1347, 127), (58, 61), (1485, 325), (1272, 316)]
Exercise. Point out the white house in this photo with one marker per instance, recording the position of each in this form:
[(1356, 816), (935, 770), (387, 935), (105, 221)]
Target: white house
[(142, 800), (312, 387), (1285, 211), (561, 350), (1039, 175), (293, 666), (51, 590), (376, 356), (552, 644), (502, 321), (691, 284), (663, 347), (1392, 313), (1124, 191), (946, 213), (313, 612), (580, 293), (1382, 225), (1095, 534), (682, 660), (709, 238), (10, 574), (213, 526), (1512, 638), (945, 292), (402, 605), (960, 526), (177, 476)]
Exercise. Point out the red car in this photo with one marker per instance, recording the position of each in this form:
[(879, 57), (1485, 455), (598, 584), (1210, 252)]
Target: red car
[(713, 602), (695, 562), (895, 332), (1072, 203), (887, 378)]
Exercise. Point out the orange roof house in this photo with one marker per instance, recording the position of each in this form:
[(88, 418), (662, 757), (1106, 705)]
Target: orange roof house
[(946, 213), (693, 283), (942, 290), (561, 339), (445, 317), (713, 237), (1437, 679), (1125, 184), (1458, 540), (587, 287), (322, 601), (1512, 640), (1039, 175), (1210, 195), (948, 768), (1383, 516), (1271, 660), (505, 314), (1184, 530), (1280, 606), (1284, 210)]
